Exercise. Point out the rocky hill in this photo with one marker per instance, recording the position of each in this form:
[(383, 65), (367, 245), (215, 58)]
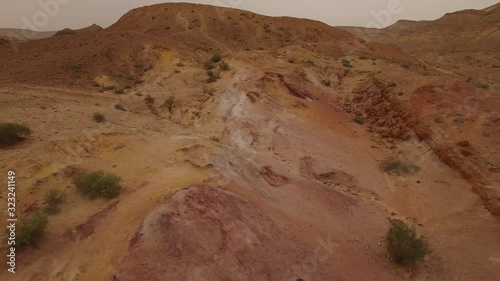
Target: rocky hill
[(462, 31)]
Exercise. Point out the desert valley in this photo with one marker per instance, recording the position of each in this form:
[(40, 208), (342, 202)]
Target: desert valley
[(255, 148)]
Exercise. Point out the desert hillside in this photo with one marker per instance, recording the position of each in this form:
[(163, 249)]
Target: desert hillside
[(463, 34), (24, 34), (255, 148)]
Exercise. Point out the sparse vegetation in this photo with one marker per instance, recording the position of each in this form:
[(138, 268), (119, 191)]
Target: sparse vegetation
[(398, 167), (392, 85), (76, 66), (169, 102), (149, 100), (212, 76), (13, 133), (406, 66), (98, 117), (363, 57), (54, 198), (359, 120), (209, 65), (267, 28), (119, 90), (109, 88), (217, 57), (98, 184), (403, 244), (327, 83), (209, 91), (346, 63), (211, 79), (483, 86), (310, 62), (31, 229), (224, 66), (291, 60), (120, 107)]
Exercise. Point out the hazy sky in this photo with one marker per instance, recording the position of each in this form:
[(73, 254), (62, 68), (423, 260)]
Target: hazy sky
[(80, 13)]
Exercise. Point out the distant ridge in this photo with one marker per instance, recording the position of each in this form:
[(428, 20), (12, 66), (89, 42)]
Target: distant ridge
[(467, 30), (25, 34), (68, 31)]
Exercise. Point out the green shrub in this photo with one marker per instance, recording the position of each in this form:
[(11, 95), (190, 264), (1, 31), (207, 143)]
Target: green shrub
[(398, 167), (120, 107), (169, 102), (31, 230), (12, 133), (403, 244), (98, 184), (217, 57), (98, 117), (53, 198), (359, 120), (109, 88), (224, 66)]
